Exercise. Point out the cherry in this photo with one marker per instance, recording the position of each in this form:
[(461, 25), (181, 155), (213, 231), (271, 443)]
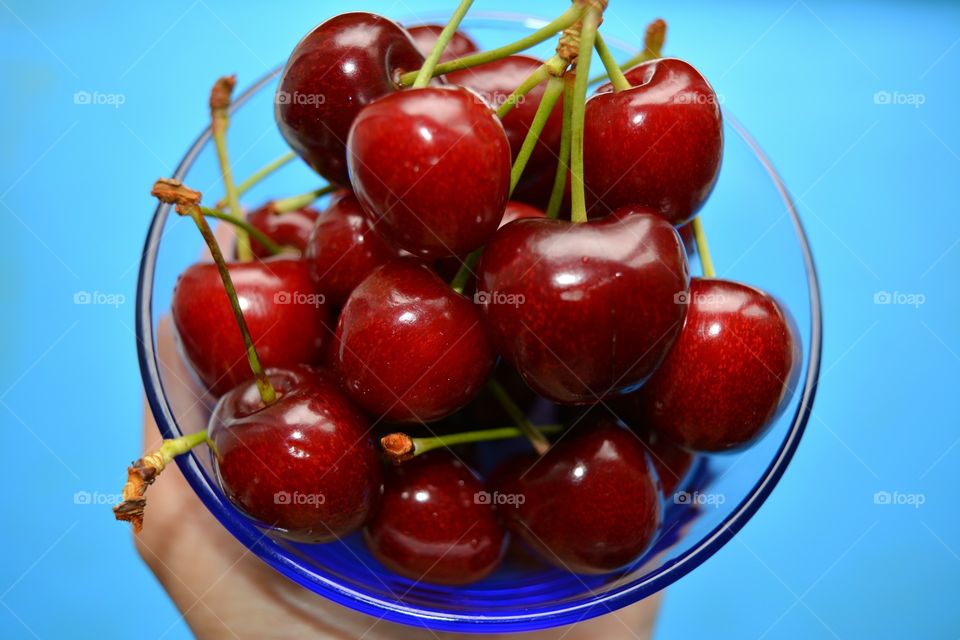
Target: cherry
[(343, 248), (435, 524), (657, 144), (286, 315), (410, 348), (432, 167), (338, 68), (304, 464), (288, 229), (590, 504), (586, 310), (425, 36), (671, 461)]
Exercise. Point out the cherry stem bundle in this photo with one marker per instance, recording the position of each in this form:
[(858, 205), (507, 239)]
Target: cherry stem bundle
[(703, 250), (537, 439), (591, 21), (399, 447), (240, 223), (297, 202), (258, 176), (219, 122)]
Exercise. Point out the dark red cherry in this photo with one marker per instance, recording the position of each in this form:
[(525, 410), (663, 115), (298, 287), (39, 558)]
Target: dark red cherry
[(587, 310), (338, 68), (730, 372), (344, 248), (436, 523), (289, 229), (411, 349), (305, 464), (285, 313), (589, 505), (432, 167), (425, 36), (657, 144), (671, 461)]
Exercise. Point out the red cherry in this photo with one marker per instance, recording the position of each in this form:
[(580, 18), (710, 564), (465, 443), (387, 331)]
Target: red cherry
[(434, 523), (671, 462), (304, 464), (288, 229), (411, 349), (344, 248), (730, 372), (657, 144), (425, 36), (587, 310), (338, 68), (285, 313), (432, 168), (589, 505)]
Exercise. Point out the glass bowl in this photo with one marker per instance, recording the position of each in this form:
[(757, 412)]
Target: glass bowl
[(755, 236)]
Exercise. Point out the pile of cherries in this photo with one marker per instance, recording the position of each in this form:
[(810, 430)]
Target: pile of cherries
[(480, 254)]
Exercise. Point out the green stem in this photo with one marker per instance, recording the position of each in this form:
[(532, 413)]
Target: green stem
[(295, 203), (459, 281), (563, 162), (400, 447), (170, 449), (220, 121), (652, 48), (546, 32), (550, 96), (552, 67), (240, 223), (426, 71), (537, 439), (258, 176), (702, 249), (617, 79), (587, 38)]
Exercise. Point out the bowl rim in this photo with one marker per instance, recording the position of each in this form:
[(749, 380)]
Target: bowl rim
[(270, 552)]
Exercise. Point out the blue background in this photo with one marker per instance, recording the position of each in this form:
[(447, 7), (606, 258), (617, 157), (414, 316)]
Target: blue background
[(875, 183)]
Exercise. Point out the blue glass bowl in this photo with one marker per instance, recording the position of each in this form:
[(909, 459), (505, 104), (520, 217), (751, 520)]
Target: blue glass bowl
[(756, 236)]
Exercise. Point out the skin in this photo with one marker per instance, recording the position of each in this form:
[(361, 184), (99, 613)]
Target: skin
[(425, 36), (288, 230)]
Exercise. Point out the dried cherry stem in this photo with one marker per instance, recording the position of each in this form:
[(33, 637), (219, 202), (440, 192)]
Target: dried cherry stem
[(703, 250), (240, 223), (144, 472), (652, 47), (545, 32), (537, 439), (563, 161), (297, 202), (554, 66), (399, 447), (259, 176), (550, 96), (617, 79), (587, 37), (187, 203), (219, 122), (425, 74)]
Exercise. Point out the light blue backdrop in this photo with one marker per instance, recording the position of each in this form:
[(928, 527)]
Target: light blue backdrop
[(875, 176)]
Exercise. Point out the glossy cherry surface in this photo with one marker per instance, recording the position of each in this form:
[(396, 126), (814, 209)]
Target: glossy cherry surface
[(587, 310), (432, 167), (657, 144), (410, 348), (729, 373), (343, 248), (284, 311), (590, 505), (305, 464), (425, 36), (289, 229), (671, 461), (342, 65), (436, 523)]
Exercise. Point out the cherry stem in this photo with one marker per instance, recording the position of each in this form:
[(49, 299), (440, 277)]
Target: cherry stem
[(554, 66), (652, 46), (272, 247), (187, 202), (399, 447), (459, 281), (537, 439), (426, 71), (295, 203), (219, 122), (563, 162), (703, 250), (144, 472), (617, 79), (258, 176), (544, 110), (587, 38), (545, 32)]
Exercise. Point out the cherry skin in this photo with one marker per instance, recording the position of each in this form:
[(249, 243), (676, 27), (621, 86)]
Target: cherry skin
[(338, 68), (286, 315), (289, 229), (433, 523), (657, 144), (729, 374), (584, 311), (590, 504), (425, 36), (305, 464), (671, 461), (432, 167), (410, 348), (343, 248)]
